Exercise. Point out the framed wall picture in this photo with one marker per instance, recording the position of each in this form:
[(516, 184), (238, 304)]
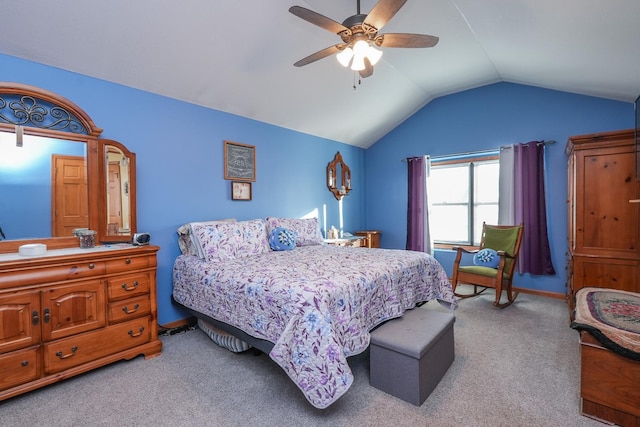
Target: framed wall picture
[(240, 190), (239, 161)]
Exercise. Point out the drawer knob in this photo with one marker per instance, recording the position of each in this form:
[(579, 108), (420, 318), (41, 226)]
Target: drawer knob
[(127, 261), (140, 331), (130, 288), (135, 308), (92, 266), (25, 363), (66, 356)]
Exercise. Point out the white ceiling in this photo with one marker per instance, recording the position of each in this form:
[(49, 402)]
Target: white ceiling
[(237, 56)]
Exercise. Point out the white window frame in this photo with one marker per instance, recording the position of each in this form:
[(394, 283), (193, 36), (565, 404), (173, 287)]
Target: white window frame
[(470, 162)]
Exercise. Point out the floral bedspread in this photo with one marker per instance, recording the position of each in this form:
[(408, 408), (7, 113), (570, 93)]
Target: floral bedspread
[(317, 304)]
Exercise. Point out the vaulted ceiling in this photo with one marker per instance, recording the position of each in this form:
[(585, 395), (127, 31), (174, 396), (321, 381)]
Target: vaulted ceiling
[(237, 56)]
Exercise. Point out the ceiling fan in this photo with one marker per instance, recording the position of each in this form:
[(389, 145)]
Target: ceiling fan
[(359, 34)]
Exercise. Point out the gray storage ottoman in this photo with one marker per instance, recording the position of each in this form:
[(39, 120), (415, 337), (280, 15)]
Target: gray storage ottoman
[(410, 355)]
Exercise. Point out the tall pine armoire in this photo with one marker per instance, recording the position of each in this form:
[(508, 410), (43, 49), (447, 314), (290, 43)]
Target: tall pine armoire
[(603, 212)]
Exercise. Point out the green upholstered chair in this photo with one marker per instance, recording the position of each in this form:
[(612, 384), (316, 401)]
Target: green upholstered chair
[(505, 240)]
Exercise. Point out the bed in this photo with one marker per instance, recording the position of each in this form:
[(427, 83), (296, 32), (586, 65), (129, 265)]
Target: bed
[(310, 306)]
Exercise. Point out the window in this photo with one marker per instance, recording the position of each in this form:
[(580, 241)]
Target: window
[(463, 194)]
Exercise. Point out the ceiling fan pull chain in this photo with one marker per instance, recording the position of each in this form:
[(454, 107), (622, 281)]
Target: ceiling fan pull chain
[(356, 74)]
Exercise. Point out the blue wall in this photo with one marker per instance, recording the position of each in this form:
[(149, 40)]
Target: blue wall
[(179, 151), (481, 119)]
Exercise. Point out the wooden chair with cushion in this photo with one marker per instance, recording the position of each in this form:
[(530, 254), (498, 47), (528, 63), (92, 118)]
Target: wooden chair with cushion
[(494, 263)]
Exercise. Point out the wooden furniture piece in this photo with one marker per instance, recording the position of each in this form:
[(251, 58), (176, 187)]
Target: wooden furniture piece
[(608, 321), (354, 241), (505, 240), (97, 182), (373, 237), (603, 213), (73, 310), (70, 309), (609, 384), (338, 177)]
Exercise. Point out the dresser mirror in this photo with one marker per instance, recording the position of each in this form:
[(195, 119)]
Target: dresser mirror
[(56, 175), (118, 168)]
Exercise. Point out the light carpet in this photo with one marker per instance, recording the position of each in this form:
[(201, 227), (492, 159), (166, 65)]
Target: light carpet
[(518, 366)]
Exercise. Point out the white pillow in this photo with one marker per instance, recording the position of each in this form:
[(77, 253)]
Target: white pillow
[(230, 240), (307, 230), (186, 240)]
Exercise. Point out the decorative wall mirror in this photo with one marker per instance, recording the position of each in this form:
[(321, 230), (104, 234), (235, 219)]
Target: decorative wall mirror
[(338, 177), (54, 173)]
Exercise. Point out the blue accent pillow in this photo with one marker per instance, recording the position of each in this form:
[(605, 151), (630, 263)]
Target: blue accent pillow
[(281, 239), (487, 258)]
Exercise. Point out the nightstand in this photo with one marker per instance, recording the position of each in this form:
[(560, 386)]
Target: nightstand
[(353, 241), (373, 237)]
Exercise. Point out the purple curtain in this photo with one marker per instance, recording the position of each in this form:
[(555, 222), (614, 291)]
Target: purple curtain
[(535, 254), (416, 204)]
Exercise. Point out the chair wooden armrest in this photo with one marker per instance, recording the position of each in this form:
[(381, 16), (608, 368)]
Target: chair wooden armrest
[(505, 254), (465, 250)]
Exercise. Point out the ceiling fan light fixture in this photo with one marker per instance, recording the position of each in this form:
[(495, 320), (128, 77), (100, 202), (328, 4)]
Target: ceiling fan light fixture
[(360, 37), (361, 48), (358, 63), (345, 56), (374, 55)]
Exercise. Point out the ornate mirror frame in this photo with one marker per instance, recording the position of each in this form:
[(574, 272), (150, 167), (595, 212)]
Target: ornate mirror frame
[(338, 177), (29, 110)]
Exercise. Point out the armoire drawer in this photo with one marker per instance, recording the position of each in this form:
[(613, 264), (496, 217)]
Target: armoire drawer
[(19, 367), (131, 308), (73, 351)]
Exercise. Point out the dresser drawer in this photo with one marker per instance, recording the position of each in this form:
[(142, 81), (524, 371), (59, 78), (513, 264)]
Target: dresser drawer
[(73, 351), (127, 264), (128, 286), (127, 309), (52, 273), (19, 367)]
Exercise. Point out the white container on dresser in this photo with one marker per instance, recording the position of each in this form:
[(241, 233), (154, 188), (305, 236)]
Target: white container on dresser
[(72, 310)]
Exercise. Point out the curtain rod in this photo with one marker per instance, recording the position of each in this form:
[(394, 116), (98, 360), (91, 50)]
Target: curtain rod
[(550, 142), (474, 153)]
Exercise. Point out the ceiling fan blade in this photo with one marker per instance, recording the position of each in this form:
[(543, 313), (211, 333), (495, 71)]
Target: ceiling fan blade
[(320, 54), (406, 40), (368, 69), (319, 20), (382, 12)]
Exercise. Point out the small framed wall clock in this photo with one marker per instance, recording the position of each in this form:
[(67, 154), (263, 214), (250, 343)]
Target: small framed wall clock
[(240, 190)]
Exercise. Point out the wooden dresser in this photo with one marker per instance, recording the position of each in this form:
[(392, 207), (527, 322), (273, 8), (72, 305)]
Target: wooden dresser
[(73, 310), (603, 212)]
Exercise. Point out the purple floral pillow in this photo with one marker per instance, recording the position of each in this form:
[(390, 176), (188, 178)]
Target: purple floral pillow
[(231, 240), (306, 231), (188, 243)]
